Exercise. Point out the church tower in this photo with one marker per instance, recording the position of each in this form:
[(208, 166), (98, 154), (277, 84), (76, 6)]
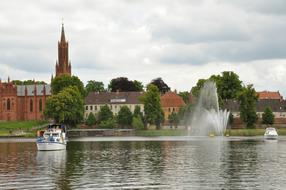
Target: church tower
[(63, 65)]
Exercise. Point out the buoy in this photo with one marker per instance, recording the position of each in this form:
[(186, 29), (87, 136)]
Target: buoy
[(211, 135)]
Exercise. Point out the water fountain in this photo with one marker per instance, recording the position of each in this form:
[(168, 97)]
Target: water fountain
[(207, 118)]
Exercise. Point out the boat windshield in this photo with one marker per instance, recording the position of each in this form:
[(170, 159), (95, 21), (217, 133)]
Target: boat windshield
[(55, 134), (46, 134)]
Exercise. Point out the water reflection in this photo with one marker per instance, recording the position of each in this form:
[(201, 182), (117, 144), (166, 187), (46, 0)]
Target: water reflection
[(211, 163)]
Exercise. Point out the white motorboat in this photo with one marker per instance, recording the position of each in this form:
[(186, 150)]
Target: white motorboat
[(54, 138), (270, 133)]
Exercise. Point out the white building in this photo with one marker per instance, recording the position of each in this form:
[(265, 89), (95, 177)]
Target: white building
[(115, 100)]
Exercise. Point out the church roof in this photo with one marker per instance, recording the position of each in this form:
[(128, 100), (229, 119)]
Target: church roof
[(31, 88)]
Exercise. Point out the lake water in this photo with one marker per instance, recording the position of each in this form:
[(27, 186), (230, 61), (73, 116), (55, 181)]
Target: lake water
[(145, 163)]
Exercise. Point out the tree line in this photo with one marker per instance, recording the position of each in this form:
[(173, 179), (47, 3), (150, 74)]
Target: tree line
[(66, 105)]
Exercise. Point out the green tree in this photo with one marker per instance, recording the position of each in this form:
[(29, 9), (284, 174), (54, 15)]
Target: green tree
[(174, 119), (91, 120), (185, 95), (196, 89), (94, 86), (268, 116), (122, 84), (138, 86), (137, 123), (105, 117), (152, 106), (63, 81), (185, 114), (248, 99), (228, 85), (65, 107), (161, 85), (124, 117)]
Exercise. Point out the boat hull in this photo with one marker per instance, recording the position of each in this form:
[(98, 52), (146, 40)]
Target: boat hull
[(271, 137), (45, 146)]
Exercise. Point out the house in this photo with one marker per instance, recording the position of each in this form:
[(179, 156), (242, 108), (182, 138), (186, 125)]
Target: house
[(171, 102), (268, 95), (115, 100)]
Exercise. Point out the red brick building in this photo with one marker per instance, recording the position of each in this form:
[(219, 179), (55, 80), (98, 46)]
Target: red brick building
[(22, 102), (27, 102)]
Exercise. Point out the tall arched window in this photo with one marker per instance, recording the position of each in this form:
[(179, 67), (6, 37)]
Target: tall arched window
[(31, 105), (40, 105), (8, 104)]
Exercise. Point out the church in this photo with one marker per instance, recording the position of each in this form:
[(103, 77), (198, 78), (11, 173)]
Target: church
[(27, 102)]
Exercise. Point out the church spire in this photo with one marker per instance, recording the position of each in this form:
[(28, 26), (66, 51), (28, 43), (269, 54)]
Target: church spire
[(63, 38), (63, 64)]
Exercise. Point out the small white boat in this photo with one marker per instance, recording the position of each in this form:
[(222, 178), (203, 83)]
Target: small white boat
[(54, 138), (270, 133)]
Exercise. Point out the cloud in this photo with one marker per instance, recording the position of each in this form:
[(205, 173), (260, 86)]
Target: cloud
[(180, 41)]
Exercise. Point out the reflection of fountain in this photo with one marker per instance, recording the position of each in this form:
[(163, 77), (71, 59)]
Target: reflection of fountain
[(207, 118)]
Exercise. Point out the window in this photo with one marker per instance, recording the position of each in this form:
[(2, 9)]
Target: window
[(8, 104), (86, 107), (169, 109), (40, 105), (90, 107), (95, 107), (31, 105), (173, 109)]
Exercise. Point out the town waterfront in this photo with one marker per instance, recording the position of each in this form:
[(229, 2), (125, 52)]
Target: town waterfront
[(146, 163)]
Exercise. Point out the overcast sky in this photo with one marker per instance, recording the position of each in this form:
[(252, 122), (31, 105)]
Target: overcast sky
[(178, 40)]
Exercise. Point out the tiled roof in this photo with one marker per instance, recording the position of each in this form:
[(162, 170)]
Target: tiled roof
[(171, 99), (113, 98), (269, 95), (31, 88)]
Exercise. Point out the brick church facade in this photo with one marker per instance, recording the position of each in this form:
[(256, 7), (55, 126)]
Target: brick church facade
[(27, 102)]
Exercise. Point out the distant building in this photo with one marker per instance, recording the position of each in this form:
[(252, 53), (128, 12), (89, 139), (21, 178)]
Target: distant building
[(267, 95), (23, 102), (171, 102), (115, 100)]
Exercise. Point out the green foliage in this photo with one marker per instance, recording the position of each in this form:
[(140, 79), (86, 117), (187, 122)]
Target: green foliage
[(124, 117), (174, 119), (137, 123), (91, 120), (65, 107), (122, 84), (94, 86), (248, 99), (27, 82), (61, 82), (185, 114), (105, 116), (107, 124), (161, 85), (196, 89), (185, 95), (268, 116), (152, 106), (138, 86), (228, 85)]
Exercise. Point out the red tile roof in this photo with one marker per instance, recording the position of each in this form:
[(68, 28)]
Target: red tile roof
[(269, 95), (171, 99)]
